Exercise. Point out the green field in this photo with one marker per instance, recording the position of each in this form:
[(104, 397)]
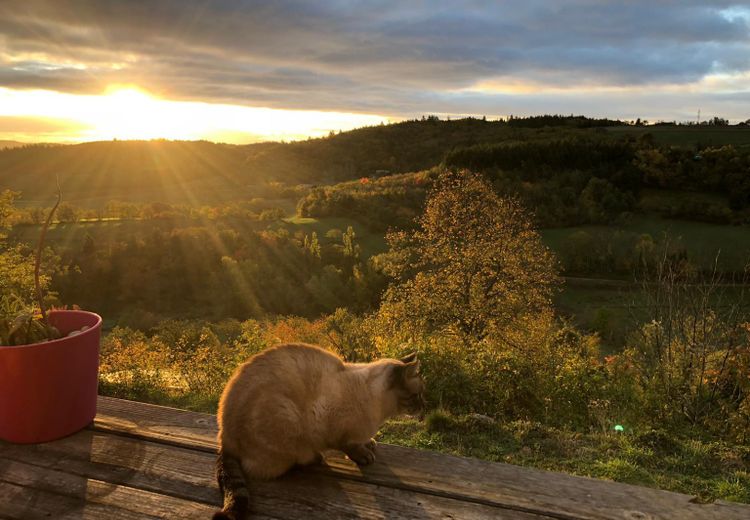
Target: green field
[(689, 136), (653, 201), (702, 241)]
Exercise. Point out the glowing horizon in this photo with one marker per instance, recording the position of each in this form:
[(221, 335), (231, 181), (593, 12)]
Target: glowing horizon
[(128, 112)]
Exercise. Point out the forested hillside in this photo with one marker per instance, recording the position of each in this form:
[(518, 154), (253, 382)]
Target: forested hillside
[(200, 172), (94, 173), (544, 149), (569, 180)]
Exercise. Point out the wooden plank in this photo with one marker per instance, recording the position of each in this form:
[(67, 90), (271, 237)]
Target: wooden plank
[(184, 474), (39, 492), (168, 425), (23, 503), (145, 465), (501, 485), (535, 490)]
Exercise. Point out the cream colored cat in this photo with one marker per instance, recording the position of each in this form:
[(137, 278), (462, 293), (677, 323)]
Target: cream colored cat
[(288, 404)]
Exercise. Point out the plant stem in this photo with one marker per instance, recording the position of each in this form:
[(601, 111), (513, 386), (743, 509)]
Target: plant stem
[(38, 262)]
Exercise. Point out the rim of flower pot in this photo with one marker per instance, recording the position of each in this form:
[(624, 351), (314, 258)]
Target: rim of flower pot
[(91, 330)]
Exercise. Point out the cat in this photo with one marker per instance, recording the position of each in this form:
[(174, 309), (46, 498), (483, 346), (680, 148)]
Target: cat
[(288, 404)]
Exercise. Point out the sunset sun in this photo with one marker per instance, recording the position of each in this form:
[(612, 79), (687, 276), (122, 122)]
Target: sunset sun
[(130, 112)]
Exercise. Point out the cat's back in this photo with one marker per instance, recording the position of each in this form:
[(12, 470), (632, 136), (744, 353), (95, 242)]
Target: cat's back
[(292, 359), (296, 371)]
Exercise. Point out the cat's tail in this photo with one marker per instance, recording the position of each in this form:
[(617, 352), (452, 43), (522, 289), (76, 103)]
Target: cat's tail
[(232, 486)]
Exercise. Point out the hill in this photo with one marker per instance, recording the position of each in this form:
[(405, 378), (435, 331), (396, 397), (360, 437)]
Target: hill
[(201, 172), (567, 180), (92, 173), (190, 172), (377, 150), (11, 144)]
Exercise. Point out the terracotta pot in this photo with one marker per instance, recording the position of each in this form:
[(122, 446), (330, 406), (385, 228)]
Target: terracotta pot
[(48, 390)]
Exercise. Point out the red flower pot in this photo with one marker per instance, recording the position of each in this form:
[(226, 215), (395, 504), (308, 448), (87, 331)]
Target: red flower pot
[(48, 390)]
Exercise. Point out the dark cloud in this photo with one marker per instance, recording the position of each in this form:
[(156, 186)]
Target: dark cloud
[(387, 57)]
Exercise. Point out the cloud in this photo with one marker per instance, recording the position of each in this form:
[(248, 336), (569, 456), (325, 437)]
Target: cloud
[(38, 129), (397, 58)]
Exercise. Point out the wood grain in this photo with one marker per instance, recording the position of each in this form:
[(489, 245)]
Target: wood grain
[(504, 486), (181, 475), (31, 491)]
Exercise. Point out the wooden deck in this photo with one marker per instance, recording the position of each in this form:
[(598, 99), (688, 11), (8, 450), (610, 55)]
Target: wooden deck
[(143, 461)]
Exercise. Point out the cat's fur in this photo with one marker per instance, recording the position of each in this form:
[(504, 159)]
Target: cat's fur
[(289, 403)]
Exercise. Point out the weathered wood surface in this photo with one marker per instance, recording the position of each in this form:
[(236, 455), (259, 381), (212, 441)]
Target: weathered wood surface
[(144, 461)]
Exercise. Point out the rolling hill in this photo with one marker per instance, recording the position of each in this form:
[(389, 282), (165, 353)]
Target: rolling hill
[(196, 171), (201, 172)]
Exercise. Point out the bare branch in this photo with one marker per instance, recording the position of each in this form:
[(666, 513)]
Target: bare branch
[(38, 260)]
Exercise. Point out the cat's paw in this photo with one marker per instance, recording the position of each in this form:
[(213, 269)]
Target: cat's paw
[(371, 445), (361, 454)]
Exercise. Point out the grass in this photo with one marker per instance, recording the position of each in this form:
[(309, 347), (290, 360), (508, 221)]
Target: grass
[(651, 199), (606, 310), (708, 470), (689, 136), (612, 309), (701, 240)]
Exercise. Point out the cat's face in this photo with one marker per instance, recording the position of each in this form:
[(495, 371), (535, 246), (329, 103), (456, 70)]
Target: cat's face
[(408, 386)]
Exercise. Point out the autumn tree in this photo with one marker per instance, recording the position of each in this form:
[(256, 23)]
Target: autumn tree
[(472, 268)]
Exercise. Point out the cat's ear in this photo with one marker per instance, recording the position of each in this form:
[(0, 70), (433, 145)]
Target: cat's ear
[(412, 368), (412, 365), (410, 358), (406, 370)]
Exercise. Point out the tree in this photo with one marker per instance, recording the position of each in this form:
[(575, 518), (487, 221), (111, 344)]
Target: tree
[(67, 213), (601, 201), (37, 215), (691, 357), (6, 210), (473, 267), (312, 246), (16, 264), (351, 248)]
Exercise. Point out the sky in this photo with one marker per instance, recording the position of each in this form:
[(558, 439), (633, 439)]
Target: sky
[(242, 71)]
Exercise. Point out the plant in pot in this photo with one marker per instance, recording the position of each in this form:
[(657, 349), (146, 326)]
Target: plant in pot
[(49, 361)]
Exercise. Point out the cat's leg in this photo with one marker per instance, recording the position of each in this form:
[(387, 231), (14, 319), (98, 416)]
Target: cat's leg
[(361, 453), (267, 466), (310, 459)]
